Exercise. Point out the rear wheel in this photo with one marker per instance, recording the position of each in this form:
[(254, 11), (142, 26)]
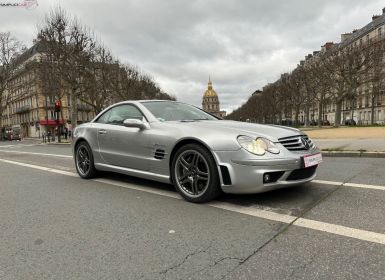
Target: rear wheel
[(195, 174), (84, 161)]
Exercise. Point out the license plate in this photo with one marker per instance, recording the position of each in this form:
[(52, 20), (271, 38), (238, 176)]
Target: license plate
[(312, 160)]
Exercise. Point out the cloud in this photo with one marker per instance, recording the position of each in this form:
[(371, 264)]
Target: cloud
[(242, 44)]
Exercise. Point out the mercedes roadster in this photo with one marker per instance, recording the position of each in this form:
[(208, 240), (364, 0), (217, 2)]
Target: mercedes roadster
[(201, 155)]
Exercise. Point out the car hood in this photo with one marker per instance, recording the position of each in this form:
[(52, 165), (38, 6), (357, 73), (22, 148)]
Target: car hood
[(271, 132)]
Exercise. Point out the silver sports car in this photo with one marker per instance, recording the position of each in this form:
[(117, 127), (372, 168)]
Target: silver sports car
[(201, 155)]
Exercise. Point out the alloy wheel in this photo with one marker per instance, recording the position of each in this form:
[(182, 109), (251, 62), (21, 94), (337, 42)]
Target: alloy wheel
[(192, 173), (83, 161)]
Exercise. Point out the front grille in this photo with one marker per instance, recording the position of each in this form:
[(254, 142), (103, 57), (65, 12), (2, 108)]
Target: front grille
[(301, 174), (297, 143)]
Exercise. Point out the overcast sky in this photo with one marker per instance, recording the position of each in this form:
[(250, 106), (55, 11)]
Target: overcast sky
[(242, 44)]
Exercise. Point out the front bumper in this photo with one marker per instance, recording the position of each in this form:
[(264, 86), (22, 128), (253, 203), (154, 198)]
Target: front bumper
[(245, 172)]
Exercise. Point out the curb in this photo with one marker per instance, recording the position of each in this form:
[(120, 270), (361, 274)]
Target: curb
[(353, 154)]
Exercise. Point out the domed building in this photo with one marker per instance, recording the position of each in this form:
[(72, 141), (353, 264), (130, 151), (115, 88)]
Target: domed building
[(210, 101)]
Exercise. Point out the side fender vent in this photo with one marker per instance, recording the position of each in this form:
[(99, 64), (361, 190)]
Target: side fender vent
[(159, 154)]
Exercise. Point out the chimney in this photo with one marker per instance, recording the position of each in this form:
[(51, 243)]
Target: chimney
[(345, 36), (374, 17)]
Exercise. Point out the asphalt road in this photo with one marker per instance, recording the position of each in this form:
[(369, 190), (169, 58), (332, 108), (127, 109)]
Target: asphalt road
[(54, 225)]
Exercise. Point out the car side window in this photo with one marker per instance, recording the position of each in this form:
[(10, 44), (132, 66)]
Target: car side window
[(122, 112), (104, 118)]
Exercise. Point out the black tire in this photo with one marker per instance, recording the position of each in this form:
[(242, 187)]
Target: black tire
[(83, 151), (195, 182)]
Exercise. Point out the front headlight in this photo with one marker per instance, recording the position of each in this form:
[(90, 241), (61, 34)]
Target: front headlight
[(257, 146)]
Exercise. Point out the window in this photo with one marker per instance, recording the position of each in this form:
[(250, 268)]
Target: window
[(118, 114)]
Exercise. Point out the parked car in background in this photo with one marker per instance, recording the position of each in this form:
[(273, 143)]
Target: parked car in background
[(201, 155), (325, 122), (313, 122), (350, 122), (14, 133)]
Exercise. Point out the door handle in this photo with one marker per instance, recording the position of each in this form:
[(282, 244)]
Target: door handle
[(102, 131)]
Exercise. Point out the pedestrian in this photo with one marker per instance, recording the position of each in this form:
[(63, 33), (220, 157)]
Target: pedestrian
[(43, 135), (49, 136), (66, 133)]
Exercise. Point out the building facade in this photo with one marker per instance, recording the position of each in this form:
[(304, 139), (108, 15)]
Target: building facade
[(210, 101), (362, 103), (30, 108), (362, 108)]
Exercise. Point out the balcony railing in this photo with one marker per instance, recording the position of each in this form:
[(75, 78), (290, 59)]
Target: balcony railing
[(84, 107), (50, 105), (23, 109)]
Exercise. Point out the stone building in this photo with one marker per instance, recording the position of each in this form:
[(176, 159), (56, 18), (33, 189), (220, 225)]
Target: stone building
[(210, 101), (359, 109), (29, 107)]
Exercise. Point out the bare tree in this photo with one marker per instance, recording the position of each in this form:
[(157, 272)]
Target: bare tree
[(69, 46), (10, 47), (99, 80), (345, 63), (133, 85), (374, 75)]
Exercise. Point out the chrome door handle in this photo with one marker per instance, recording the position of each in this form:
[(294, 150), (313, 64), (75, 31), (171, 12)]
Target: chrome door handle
[(102, 131)]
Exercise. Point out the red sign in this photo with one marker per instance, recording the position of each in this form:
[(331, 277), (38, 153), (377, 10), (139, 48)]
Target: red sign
[(50, 122)]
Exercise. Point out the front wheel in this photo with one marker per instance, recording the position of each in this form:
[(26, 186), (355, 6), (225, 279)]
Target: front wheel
[(84, 161), (195, 174)]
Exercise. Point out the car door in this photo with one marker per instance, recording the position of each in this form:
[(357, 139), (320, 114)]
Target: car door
[(123, 146)]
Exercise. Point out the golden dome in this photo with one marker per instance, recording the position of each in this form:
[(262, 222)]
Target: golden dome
[(210, 92)]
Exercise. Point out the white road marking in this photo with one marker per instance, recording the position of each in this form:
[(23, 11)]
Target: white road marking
[(342, 230), (20, 145), (324, 182), (353, 185), (138, 188), (360, 234), (58, 171), (269, 215), (328, 182), (373, 187), (39, 154)]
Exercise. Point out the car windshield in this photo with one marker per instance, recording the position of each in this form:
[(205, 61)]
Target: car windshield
[(174, 111)]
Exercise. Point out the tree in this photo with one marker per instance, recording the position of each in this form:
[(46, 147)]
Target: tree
[(345, 63), (10, 48), (69, 46), (99, 79), (374, 77)]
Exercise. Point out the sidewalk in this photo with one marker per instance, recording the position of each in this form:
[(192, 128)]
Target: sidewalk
[(350, 141), (40, 141)]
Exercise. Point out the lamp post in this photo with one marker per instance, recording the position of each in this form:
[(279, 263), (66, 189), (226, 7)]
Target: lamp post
[(57, 115)]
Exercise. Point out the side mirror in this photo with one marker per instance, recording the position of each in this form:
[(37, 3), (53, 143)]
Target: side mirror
[(134, 123)]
